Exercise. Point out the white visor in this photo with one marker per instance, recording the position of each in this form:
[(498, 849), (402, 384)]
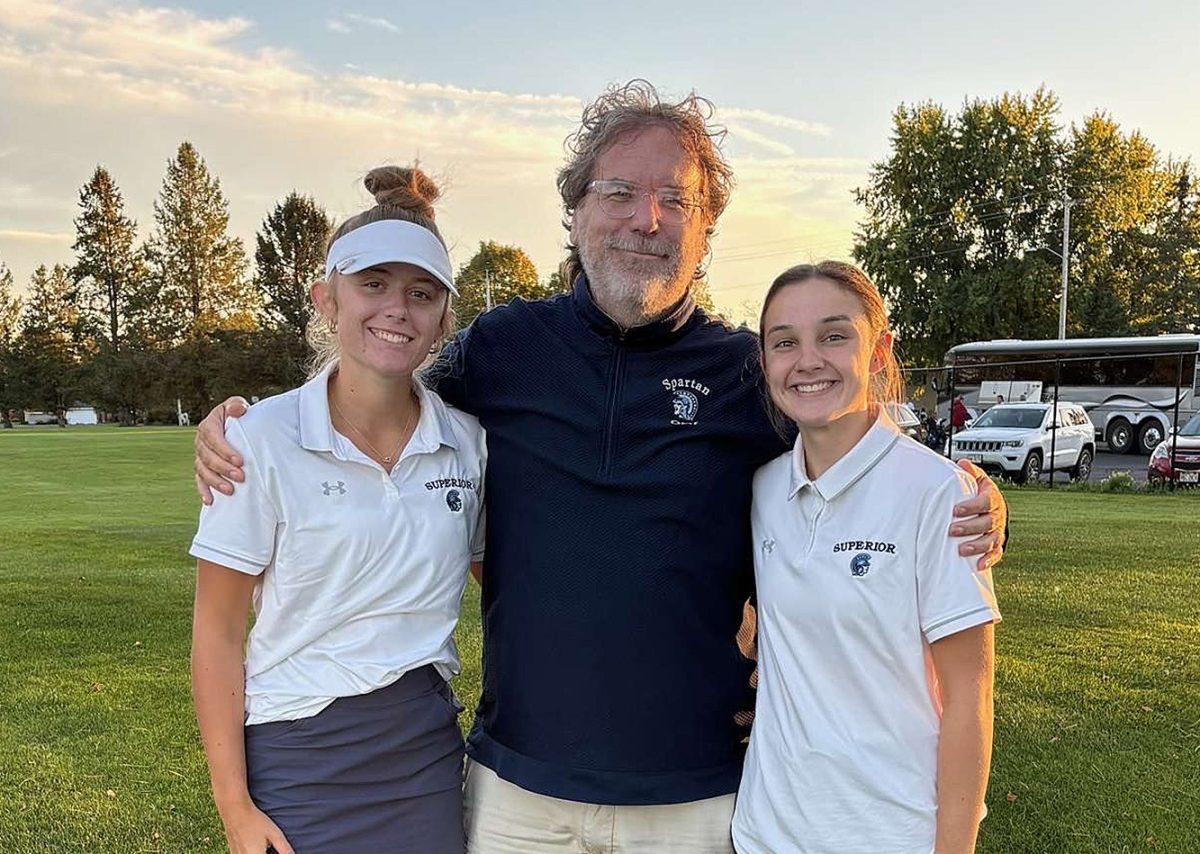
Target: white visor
[(386, 241)]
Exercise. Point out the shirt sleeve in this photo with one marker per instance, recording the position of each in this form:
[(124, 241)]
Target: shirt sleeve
[(447, 374), (479, 538), (951, 595), (238, 531)]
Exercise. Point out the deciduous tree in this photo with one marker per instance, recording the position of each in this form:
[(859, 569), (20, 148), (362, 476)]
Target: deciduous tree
[(957, 219), (290, 256), (963, 223), (508, 270)]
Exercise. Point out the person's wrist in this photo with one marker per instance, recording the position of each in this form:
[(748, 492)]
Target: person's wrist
[(233, 802)]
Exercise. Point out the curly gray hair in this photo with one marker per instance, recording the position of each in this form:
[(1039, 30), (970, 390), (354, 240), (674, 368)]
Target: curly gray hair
[(631, 107)]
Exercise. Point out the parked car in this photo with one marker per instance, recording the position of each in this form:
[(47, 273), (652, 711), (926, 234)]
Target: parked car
[(1015, 439), (905, 419), (1187, 455)]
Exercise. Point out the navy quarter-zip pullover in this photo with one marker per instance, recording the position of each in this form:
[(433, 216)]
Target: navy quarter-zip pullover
[(618, 546)]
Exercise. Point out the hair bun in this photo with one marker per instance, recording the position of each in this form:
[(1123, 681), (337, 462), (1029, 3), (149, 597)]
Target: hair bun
[(405, 187)]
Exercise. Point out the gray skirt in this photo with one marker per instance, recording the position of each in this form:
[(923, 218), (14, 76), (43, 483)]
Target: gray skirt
[(380, 772)]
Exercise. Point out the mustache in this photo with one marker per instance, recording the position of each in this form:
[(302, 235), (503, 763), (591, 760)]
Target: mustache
[(646, 245)]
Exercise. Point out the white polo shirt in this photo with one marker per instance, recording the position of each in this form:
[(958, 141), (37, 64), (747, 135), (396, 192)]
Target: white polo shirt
[(361, 572), (856, 576)]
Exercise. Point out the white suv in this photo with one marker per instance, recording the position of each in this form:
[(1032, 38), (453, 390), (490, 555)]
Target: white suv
[(1014, 439)]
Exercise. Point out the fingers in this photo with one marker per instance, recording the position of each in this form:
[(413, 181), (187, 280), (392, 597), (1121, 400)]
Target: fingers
[(980, 545), (278, 841), (235, 407), (206, 496), (991, 558), (974, 526), (211, 435), (217, 463), (212, 471), (977, 474)]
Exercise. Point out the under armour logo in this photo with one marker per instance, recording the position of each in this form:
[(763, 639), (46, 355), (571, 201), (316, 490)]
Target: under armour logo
[(327, 488), (769, 545)]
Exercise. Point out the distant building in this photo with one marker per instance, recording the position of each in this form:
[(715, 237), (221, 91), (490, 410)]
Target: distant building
[(82, 414)]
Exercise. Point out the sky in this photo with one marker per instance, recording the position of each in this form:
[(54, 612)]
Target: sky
[(308, 96)]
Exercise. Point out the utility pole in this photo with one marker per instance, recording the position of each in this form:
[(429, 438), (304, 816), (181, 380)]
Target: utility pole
[(1066, 253), (487, 288)]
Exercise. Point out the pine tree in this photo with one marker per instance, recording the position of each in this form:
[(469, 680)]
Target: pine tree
[(290, 256), (196, 265), (108, 269), (47, 353), (10, 313), (10, 307)]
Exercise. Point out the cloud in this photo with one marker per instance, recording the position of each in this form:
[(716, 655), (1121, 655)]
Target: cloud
[(738, 133), (34, 236), (353, 21), (373, 23), (123, 85), (776, 121)]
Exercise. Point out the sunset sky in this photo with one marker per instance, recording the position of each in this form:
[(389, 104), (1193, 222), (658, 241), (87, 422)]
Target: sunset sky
[(281, 95)]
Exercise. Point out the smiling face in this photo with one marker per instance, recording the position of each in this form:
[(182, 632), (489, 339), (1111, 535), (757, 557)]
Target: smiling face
[(819, 352), (640, 267), (387, 317)]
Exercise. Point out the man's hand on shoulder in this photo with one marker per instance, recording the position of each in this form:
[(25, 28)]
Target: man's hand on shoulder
[(217, 464), (984, 517)]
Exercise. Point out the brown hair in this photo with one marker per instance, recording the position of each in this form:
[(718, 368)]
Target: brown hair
[(400, 192), (634, 107), (886, 385)]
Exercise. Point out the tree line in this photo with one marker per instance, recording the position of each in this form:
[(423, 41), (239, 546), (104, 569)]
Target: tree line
[(961, 230), (131, 327), (962, 227)]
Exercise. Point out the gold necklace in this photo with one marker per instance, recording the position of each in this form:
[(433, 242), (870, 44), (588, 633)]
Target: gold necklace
[(386, 459)]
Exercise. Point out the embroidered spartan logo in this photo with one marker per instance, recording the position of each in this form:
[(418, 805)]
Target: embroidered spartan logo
[(860, 564), (328, 488), (686, 405), (454, 501), (685, 399)]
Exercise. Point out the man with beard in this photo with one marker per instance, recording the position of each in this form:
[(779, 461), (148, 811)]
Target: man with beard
[(624, 426)]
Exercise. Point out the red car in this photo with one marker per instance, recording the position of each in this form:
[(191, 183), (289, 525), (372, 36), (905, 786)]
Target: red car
[(1187, 456)]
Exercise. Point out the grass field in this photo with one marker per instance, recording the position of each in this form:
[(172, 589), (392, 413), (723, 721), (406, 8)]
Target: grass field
[(1098, 685)]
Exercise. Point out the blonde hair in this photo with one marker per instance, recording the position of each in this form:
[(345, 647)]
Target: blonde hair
[(886, 386), (400, 192)]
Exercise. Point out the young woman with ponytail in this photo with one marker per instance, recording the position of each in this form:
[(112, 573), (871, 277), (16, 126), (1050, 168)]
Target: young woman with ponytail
[(351, 537), (874, 716)]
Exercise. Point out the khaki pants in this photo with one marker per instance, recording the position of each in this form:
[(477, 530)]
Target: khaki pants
[(503, 818)]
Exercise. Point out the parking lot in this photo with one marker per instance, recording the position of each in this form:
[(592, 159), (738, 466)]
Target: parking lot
[(1106, 463)]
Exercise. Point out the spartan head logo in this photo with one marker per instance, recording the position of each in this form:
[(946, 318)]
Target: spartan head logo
[(860, 564), (686, 404), (454, 501)]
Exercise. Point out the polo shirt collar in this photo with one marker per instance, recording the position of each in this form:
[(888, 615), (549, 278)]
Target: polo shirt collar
[(859, 460), (434, 427), (662, 329)]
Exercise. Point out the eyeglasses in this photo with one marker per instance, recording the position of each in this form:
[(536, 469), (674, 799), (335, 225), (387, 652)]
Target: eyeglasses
[(620, 199)]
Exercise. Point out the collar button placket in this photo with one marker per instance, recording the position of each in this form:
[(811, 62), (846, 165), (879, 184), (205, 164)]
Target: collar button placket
[(821, 503)]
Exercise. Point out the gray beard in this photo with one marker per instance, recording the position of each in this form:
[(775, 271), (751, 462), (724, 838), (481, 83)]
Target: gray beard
[(631, 299)]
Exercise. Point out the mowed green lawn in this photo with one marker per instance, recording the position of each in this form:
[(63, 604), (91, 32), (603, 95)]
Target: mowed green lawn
[(1098, 686)]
